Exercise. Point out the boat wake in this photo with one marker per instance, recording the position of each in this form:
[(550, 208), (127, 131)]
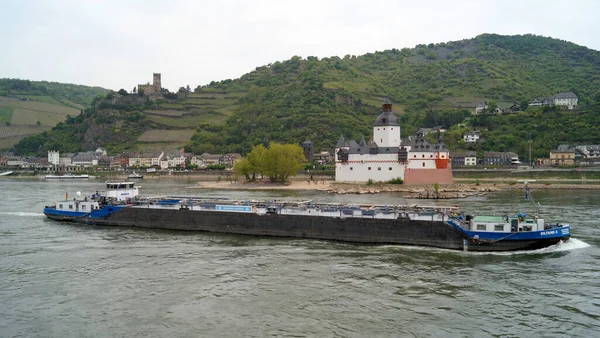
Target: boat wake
[(570, 245), (22, 214)]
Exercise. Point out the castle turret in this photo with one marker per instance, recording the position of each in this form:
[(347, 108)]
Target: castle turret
[(156, 83), (341, 145), (386, 130), (307, 147)]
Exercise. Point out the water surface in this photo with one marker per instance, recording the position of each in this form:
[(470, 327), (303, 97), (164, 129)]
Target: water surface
[(64, 280)]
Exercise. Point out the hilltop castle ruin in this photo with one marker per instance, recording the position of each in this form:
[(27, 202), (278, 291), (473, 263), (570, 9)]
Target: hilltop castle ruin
[(152, 90)]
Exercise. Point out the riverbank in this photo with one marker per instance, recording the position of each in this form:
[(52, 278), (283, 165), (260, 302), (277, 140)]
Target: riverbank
[(463, 187), (457, 190)]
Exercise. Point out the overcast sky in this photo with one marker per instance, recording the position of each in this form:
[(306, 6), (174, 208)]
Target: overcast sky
[(120, 43)]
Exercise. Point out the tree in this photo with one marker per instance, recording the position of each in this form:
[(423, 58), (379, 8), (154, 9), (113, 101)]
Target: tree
[(141, 92), (134, 90), (189, 90), (524, 104), (595, 102), (278, 163), (122, 92), (256, 160), (492, 105), (252, 164), (282, 161)]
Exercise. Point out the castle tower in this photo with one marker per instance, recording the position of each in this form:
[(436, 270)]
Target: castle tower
[(307, 147), (156, 83), (386, 130)]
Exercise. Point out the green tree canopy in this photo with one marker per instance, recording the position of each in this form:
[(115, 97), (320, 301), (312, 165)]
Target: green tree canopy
[(278, 162)]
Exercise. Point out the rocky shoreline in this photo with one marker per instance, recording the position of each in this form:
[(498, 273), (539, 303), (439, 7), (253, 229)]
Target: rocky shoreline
[(453, 191), (458, 190)]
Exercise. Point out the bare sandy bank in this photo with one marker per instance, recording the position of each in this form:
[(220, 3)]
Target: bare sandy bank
[(456, 190), (292, 185)]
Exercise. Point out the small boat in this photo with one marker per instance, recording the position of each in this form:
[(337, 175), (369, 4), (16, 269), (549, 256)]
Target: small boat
[(135, 175), (67, 177), (6, 173)]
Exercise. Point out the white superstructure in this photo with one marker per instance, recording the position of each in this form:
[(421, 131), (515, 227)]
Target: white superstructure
[(122, 191)]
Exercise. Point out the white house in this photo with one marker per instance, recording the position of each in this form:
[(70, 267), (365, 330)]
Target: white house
[(66, 160), (463, 158), (481, 108), (564, 99), (196, 160), (471, 159), (472, 136), (53, 157), (156, 159), (84, 159), (100, 151), (568, 99)]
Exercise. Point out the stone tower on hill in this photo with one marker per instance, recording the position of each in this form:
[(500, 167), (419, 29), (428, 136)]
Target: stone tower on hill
[(154, 89), (156, 82)]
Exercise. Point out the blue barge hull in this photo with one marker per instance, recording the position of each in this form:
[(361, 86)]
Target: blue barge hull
[(366, 230)]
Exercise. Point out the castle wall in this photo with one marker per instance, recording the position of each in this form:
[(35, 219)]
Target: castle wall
[(425, 159), (428, 176), (147, 88), (380, 170)]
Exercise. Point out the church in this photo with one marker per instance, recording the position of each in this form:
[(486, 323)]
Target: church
[(387, 156)]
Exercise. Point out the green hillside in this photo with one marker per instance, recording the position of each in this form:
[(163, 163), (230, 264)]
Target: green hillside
[(30, 107), (435, 84), (429, 84)]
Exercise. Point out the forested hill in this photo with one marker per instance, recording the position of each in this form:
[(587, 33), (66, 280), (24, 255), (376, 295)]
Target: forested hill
[(319, 99), (435, 84), (32, 107), (53, 92)]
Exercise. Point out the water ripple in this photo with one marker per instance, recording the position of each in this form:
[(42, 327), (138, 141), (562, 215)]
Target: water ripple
[(63, 280)]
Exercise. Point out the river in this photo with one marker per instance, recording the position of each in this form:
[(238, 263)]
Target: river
[(64, 280)]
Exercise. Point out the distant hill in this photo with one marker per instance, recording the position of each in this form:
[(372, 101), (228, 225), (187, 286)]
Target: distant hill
[(435, 84), (30, 107)]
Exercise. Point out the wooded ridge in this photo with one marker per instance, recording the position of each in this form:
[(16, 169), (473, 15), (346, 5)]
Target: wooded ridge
[(319, 99)]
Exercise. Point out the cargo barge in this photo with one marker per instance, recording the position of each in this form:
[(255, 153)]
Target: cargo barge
[(440, 227)]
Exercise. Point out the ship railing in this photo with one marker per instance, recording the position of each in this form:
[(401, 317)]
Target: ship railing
[(459, 222), (308, 203), (415, 210)]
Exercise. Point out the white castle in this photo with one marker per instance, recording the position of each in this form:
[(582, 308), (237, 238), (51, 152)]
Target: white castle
[(386, 157)]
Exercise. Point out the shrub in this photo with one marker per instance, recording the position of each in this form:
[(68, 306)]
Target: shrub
[(370, 181), (396, 180)]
